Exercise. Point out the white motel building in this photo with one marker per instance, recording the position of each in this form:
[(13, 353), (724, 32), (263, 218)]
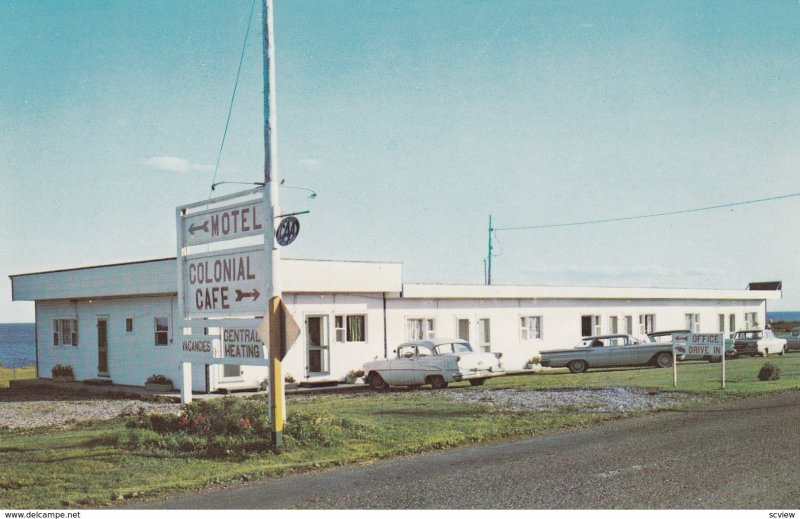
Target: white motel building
[(121, 322)]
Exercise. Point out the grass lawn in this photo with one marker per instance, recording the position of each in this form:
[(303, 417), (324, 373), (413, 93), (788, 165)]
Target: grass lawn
[(52, 468), (7, 374), (693, 376)]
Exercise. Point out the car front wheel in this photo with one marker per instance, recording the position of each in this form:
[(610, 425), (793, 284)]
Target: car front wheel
[(783, 351), (477, 381), (664, 360), (766, 352), (376, 382), (577, 366)]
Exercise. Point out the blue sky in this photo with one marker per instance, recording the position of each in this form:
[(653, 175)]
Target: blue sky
[(413, 121)]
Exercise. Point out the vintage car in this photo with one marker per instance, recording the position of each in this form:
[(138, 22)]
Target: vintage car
[(793, 340), (436, 362), (603, 351), (758, 342)]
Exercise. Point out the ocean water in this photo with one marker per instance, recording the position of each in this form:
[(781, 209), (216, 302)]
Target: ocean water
[(17, 345), (784, 316)]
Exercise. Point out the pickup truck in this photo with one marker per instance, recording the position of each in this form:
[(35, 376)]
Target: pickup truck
[(603, 351), (758, 342)]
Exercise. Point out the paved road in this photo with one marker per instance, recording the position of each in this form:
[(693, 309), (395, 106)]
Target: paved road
[(743, 455)]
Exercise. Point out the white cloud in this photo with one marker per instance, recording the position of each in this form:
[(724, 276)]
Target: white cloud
[(176, 165)]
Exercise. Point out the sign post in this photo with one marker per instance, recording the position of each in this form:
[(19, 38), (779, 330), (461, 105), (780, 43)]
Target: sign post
[(271, 182), (697, 346)]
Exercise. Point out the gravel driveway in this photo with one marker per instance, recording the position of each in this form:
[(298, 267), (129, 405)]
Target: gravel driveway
[(611, 400), (25, 409)]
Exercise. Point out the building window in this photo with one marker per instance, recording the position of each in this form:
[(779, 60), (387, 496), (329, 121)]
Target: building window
[(484, 335), (65, 332), (722, 323), (647, 323), (750, 320), (693, 322), (732, 323), (419, 329), (629, 324), (462, 329), (590, 325), (613, 324), (162, 331), (350, 328), (530, 327), (128, 324)]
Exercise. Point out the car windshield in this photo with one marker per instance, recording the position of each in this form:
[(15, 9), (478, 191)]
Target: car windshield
[(452, 347), (748, 335)]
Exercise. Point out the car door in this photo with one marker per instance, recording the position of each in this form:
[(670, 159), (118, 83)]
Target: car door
[(427, 363), (401, 370), (621, 352), (598, 353)]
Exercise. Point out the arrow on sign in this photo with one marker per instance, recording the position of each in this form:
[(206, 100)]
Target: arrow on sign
[(240, 295), (194, 228)]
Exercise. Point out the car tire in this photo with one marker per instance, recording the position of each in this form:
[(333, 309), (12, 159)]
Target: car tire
[(477, 381), (377, 383), (663, 360), (766, 352), (437, 382), (577, 366), (783, 351)]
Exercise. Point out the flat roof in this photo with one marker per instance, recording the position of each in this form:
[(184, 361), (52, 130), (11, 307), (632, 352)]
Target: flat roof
[(441, 291), (160, 276)]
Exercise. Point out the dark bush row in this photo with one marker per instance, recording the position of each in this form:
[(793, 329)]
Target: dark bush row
[(229, 428)]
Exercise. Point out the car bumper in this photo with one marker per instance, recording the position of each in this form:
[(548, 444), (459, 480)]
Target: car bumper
[(478, 373)]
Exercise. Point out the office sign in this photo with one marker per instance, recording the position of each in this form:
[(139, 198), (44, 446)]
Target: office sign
[(698, 345), (237, 220), (230, 283)]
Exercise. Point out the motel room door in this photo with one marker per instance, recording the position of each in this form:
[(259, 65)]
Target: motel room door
[(317, 346), (102, 346)]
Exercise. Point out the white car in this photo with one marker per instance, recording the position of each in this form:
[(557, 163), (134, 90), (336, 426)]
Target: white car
[(436, 362), (758, 342)]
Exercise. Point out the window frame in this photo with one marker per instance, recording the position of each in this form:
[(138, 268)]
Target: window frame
[(157, 332), (344, 331), (427, 328), (528, 331), (68, 332)]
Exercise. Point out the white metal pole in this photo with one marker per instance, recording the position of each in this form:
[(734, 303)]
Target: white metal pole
[(674, 367), (271, 182), (723, 359)]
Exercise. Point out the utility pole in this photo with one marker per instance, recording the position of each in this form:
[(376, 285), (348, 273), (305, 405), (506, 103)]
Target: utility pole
[(489, 257), (271, 181)]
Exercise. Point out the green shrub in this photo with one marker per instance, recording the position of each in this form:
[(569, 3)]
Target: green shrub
[(230, 428), (769, 372), (60, 370), (158, 379)]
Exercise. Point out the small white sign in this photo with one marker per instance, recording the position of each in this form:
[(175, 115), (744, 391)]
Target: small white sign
[(241, 346), (230, 283), (698, 345), (226, 223)]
